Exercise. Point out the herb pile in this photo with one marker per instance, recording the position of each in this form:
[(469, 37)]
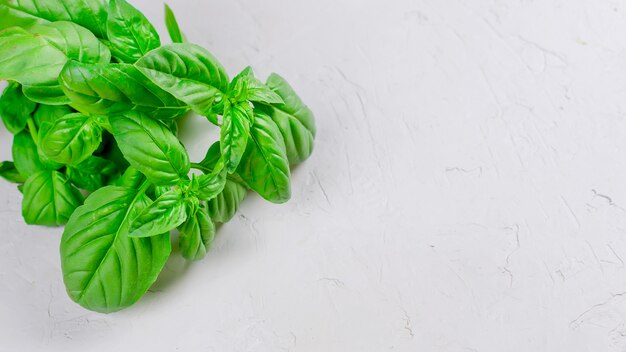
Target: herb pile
[(93, 101)]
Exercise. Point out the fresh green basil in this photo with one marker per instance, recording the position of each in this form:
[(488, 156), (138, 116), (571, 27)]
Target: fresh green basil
[(264, 166), (91, 14), (49, 199), (165, 214), (188, 72), (92, 174), (151, 148), (71, 139), (129, 32), (234, 134), (94, 103), (15, 108), (10, 173), (172, 26), (114, 89), (197, 235), (294, 120), (104, 269)]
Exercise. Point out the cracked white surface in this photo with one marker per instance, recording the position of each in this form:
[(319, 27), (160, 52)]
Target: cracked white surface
[(467, 192)]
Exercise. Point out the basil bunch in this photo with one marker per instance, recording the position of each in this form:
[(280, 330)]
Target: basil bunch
[(93, 99)]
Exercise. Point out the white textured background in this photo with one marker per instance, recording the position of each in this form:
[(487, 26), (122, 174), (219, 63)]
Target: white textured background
[(467, 192)]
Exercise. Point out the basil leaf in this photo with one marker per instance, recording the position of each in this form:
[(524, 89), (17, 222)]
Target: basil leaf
[(76, 42), (132, 178), (247, 87), (188, 72), (71, 139), (114, 89), (149, 146), (264, 166), (49, 199), (223, 207), (210, 185), (130, 33), (10, 173), (91, 14), (32, 61), (104, 269), (50, 113), (172, 26), (36, 58), (15, 108), (165, 214), (92, 174), (294, 120), (25, 155), (234, 134), (196, 235)]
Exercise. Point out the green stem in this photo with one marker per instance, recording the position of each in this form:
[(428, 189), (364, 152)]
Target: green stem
[(33, 130), (202, 168)]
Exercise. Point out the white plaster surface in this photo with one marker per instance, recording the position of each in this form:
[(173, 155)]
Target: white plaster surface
[(467, 192)]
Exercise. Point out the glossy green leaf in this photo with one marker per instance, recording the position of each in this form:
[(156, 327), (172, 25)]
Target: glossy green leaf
[(33, 62), (71, 139), (15, 108), (246, 87), (223, 207), (149, 146), (294, 120), (130, 33), (76, 42), (91, 14), (114, 89), (10, 173), (264, 166), (50, 113), (25, 155), (49, 199), (92, 174), (188, 72), (210, 185), (165, 214), (172, 26), (104, 269), (34, 58), (197, 235), (234, 134)]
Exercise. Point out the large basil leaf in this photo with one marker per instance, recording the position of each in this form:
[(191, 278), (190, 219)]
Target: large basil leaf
[(294, 120), (15, 108), (172, 26), (26, 155), (50, 113), (196, 235), (104, 269), (33, 62), (165, 214), (149, 146), (130, 33), (188, 72), (92, 174), (10, 173), (71, 139), (76, 42), (91, 14), (234, 134), (114, 89), (49, 199), (264, 166), (35, 57)]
